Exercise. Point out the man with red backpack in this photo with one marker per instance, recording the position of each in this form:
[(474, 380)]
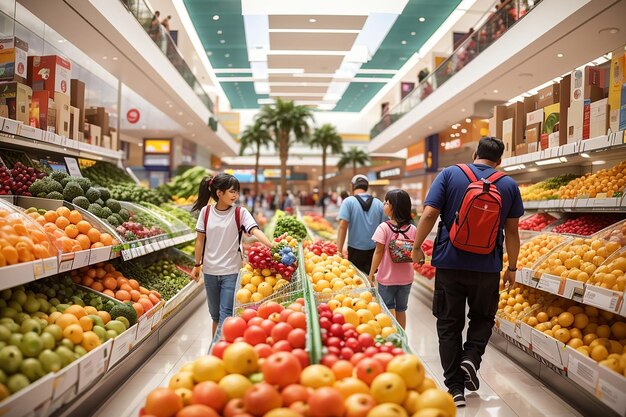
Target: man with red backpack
[(480, 210)]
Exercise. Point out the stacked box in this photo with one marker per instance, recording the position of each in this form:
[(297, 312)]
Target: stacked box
[(13, 59), (17, 97), (49, 73)]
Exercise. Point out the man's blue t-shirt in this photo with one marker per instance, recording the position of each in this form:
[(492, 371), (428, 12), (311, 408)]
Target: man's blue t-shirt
[(362, 224), (446, 195)]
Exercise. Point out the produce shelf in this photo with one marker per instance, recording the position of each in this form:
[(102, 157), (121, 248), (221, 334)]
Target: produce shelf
[(15, 133), (587, 205), (139, 248)]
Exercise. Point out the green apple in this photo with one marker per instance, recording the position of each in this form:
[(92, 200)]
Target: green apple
[(20, 317), (5, 333), (110, 334), (55, 330), (17, 382), (62, 307), (3, 302), (31, 345), (48, 341), (81, 351), (8, 312), (67, 343), (44, 305), (123, 320), (31, 325), (100, 332), (19, 296), (31, 367), (50, 361), (55, 302), (116, 325), (32, 305), (16, 339), (96, 319), (10, 359), (66, 355), (3, 377), (15, 306), (6, 294)]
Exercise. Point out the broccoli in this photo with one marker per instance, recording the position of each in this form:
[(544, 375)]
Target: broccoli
[(95, 209), (99, 202), (42, 195), (124, 214), (81, 202), (113, 221), (58, 176), (104, 194), (84, 183), (106, 212), (55, 195), (118, 218), (114, 205), (44, 185), (92, 195), (125, 310), (72, 190)]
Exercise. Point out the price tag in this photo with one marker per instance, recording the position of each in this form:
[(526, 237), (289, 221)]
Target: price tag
[(72, 166), (603, 298), (65, 266), (126, 254), (93, 365), (144, 326), (572, 287), (546, 347), (11, 126), (158, 316), (550, 283), (65, 379), (162, 244), (122, 345), (50, 266), (582, 370), (616, 138), (81, 258), (37, 269), (610, 390), (527, 277), (100, 255)]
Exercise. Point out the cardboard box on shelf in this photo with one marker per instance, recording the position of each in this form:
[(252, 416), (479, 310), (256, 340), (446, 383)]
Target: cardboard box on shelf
[(507, 138), (77, 97), (531, 103), (4, 111), (599, 118), (50, 73), (586, 84), (114, 139), (616, 79), (62, 103), (586, 119), (13, 59), (549, 95), (518, 114), (564, 95), (499, 115), (43, 111), (106, 141), (17, 97), (622, 109), (98, 116), (75, 123), (93, 134), (534, 117), (550, 124), (575, 115), (521, 149), (533, 135)]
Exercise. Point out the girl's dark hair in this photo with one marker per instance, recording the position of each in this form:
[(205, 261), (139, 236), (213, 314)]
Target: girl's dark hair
[(400, 206), (209, 187)]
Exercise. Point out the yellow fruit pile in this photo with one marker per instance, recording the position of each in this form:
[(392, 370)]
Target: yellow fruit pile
[(517, 302), (611, 275), (579, 259), (537, 192), (258, 284), (181, 201), (331, 273), (607, 181), (364, 313), (535, 248)]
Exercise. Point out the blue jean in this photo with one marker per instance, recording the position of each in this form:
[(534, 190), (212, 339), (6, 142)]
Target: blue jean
[(220, 290), (395, 297)]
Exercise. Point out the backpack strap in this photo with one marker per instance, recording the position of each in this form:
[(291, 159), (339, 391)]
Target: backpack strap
[(468, 172), (398, 230), (206, 217), (365, 205), (239, 226), (493, 178)]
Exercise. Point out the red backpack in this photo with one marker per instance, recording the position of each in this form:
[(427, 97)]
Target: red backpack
[(237, 222), (477, 223)]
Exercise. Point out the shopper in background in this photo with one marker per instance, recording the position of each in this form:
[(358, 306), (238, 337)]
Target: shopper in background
[(166, 23), (287, 203), (154, 29), (463, 277), (395, 275), (218, 243), (359, 216)]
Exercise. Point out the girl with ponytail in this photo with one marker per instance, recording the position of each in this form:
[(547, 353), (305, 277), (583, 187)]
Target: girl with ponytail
[(218, 252)]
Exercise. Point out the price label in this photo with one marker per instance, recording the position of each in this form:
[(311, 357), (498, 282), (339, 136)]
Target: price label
[(50, 266), (585, 374), (81, 258), (66, 378), (72, 166), (126, 254), (547, 347), (603, 298), (38, 269), (617, 138), (122, 345), (611, 395), (93, 365), (65, 266), (144, 326), (158, 316), (100, 255), (527, 277), (550, 283)]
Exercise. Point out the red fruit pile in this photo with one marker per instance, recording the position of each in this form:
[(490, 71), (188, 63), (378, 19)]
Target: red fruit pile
[(585, 225), (536, 222), (23, 178), (6, 181), (323, 246), (272, 328), (426, 270), (342, 341)]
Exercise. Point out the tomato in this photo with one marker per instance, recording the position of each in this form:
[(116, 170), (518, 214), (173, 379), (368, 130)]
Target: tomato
[(197, 410), (339, 318), (209, 394), (293, 393), (297, 320), (282, 369), (262, 398), (357, 357), (233, 327), (366, 340), (282, 346), (297, 338), (329, 360), (266, 309), (326, 402), (267, 326), (281, 331), (263, 350), (254, 335), (255, 321), (333, 342), (219, 348), (163, 402), (234, 408), (284, 315), (248, 314), (336, 330), (368, 369), (384, 358), (302, 356), (325, 323), (347, 353), (354, 344)]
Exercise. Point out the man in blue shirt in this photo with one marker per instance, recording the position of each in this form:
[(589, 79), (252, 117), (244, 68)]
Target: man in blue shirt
[(463, 277), (359, 216)]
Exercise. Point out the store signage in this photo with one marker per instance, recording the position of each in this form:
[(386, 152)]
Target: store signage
[(275, 173), (158, 146), (393, 172), (133, 116), (415, 157), (432, 153), (72, 167)]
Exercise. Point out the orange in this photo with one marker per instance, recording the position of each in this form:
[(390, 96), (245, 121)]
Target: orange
[(63, 211), (83, 226), (134, 284), (126, 287), (342, 369), (134, 295), (65, 320), (122, 295), (97, 286), (41, 220), (76, 310), (71, 231), (74, 332), (62, 222), (20, 229), (10, 254), (106, 239), (138, 309), (97, 245), (75, 216), (90, 310), (51, 216), (110, 283), (66, 244), (106, 317), (94, 235), (90, 341), (86, 323), (87, 281), (83, 241), (76, 247)]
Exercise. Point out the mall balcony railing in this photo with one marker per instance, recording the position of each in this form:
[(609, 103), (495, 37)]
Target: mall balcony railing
[(153, 27), (496, 24)]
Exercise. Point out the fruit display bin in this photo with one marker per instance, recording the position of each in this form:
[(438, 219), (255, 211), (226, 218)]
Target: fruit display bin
[(143, 212), (295, 285), (606, 287), (176, 226)]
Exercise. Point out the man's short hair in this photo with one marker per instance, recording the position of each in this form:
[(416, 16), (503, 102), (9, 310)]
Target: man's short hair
[(360, 182), (490, 148)]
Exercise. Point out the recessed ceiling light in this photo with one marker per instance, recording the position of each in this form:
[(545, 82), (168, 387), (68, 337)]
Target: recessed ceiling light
[(115, 58), (413, 33), (496, 91), (230, 65), (170, 105), (451, 135), (193, 135), (462, 110), (312, 20), (422, 19), (140, 144), (189, 124), (585, 155), (598, 162), (209, 53), (62, 40), (403, 42), (216, 17), (612, 31), (468, 120), (180, 113), (105, 57), (463, 131), (144, 127), (222, 41), (430, 128), (226, 55), (559, 55), (219, 32)]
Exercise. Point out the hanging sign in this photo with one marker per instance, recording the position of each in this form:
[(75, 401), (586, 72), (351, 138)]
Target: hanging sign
[(133, 116)]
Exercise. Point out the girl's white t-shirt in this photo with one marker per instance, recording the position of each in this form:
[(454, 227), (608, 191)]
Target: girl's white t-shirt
[(221, 256)]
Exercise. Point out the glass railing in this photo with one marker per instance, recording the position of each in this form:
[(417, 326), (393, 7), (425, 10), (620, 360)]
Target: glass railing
[(157, 32), (495, 25)]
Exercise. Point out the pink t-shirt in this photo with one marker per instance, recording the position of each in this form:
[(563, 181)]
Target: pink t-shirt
[(390, 273)]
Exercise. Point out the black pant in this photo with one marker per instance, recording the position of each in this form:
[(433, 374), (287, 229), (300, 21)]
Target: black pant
[(362, 259), (453, 289)]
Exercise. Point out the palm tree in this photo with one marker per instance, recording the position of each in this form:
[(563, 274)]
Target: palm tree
[(255, 136), (354, 156), (289, 123), (326, 137)]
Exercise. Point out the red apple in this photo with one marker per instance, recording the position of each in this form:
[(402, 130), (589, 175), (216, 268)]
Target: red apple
[(302, 356), (368, 369), (358, 405), (254, 335), (261, 398), (294, 393), (281, 331), (326, 402), (282, 369)]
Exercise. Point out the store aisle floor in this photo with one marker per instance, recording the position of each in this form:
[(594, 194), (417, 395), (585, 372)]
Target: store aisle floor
[(506, 389)]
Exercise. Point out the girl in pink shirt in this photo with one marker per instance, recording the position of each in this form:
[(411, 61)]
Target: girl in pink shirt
[(394, 279)]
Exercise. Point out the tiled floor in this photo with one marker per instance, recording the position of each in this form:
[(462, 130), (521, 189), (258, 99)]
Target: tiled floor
[(506, 389)]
